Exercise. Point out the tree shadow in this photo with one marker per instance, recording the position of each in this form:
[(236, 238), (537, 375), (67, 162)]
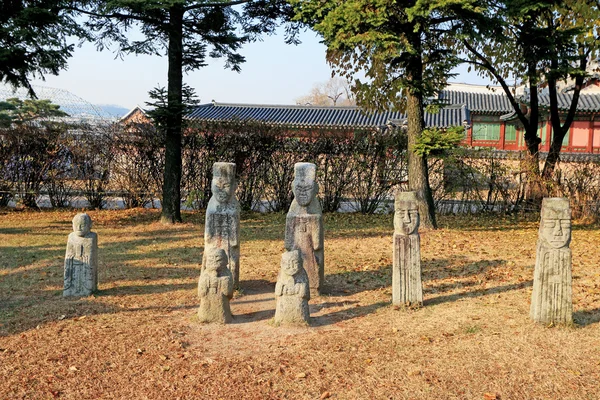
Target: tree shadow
[(144, 289), (256, 286), (477, 293), (346, 314), (253, 316), (587, 317)]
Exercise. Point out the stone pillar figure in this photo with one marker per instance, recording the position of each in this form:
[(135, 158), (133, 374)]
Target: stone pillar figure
[(215, 289), (81, 259), (304, 225), (222, 224), (407, 288), (292, 291), (551, 300)]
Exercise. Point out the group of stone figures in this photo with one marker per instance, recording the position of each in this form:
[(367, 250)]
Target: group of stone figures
[(302, 264)]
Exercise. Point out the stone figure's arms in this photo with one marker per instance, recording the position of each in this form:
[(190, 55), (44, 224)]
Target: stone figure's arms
[(68, 273), (226, 286), (302, 290), (203, 286), (234, 240), (208, 227), (289, 233), (278, 289), (317, 232)]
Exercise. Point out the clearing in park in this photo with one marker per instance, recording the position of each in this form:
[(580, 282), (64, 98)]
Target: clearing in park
[(139, 336)]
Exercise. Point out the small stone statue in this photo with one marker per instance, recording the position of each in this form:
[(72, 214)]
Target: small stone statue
[(81, 259), (215, 289), (407, 288), (292, 291), (304, 224), (222, 226), (551, 300)]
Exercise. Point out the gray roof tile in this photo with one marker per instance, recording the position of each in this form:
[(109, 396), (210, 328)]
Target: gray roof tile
[(319, 116)]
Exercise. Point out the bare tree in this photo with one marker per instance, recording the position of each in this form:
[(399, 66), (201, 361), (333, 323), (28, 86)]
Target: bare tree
[(335, 92)]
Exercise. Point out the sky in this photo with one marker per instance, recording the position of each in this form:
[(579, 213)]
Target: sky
[(274, 73)]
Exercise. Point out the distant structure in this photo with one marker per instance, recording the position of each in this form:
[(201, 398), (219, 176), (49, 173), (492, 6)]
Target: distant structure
[(79, 110)]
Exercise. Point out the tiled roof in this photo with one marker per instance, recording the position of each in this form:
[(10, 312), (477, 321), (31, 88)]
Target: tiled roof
[(488, 103), (319, 116), (587, 102)]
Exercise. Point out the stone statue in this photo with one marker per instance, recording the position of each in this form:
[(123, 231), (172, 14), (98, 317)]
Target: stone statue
[(222, 225), (215, 288), (81, 259), (292, 291), (304, 224), (407, 288), (551, 300)]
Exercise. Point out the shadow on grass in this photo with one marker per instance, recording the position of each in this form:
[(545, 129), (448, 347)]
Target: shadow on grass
[(346, 314), (587, 317), (144, 289), (477, 293), (256, 286)]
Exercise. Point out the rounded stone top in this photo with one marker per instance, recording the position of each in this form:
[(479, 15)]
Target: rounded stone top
[(406, 196), (224, 169), (305, 171), (556, 207)]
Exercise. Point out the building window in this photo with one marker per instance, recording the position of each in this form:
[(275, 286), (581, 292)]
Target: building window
[(510, 133), (486, 132)]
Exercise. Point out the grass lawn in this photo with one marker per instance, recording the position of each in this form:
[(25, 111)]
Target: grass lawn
[(139, 338)]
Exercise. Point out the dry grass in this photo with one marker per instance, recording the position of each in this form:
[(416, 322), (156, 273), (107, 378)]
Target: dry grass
[(139, 338)]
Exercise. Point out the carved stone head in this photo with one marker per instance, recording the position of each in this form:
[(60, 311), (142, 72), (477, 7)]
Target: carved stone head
[(223, 183), (305, 187), (216, 260), (555, 224), (406, 216), (82, 224), (291, 262)]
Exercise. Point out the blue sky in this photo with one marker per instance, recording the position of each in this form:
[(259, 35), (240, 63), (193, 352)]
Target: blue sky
[(274, 73)]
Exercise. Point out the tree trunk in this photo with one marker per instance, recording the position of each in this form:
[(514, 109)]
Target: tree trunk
[(171, 201), (418, 172)]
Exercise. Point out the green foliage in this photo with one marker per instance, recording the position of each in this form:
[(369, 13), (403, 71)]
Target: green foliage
[(34, 39), (436, 142), (18, 111), (160, 104)]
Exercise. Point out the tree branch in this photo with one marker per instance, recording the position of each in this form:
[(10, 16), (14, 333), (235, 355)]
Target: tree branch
[(224, 4), (116, 15), (485, 63)]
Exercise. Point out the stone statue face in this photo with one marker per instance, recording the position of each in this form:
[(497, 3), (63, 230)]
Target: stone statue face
[(407, 217), (217, 260), (290, 266), (223, 189), (304, 192), (556, 231), (82, 225)]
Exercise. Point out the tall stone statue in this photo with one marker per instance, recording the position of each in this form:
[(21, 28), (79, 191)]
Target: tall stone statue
[(551, 300), (407, 288), (81, 259), (215, 289), (222, 226), (304, 225), (292, 291)]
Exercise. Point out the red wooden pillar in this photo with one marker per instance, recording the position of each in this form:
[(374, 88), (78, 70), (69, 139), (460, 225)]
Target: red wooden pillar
[(502, 135), (590, 143), (549, 136)]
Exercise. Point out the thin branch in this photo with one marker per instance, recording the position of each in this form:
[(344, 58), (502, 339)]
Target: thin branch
[(115, 15), (208, 5)]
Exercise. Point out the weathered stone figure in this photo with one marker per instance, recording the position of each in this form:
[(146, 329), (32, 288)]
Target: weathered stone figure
[(81, 259), (304, 224), (222, 226), (407, 288), (292, 291), (215, 288), (551, 301)]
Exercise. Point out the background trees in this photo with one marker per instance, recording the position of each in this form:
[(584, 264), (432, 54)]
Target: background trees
[(335, 92), (406, 51), (187, 32), (537, 44), (34, 39)]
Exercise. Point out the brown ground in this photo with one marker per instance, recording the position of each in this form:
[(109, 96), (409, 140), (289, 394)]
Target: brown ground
[(138, 338)]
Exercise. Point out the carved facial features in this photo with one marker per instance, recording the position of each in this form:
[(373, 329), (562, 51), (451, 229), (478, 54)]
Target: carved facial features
[(222, 189), (82, 225), (556, 231), (407, 217), (304, 192), (217, 260), (290, 262)]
